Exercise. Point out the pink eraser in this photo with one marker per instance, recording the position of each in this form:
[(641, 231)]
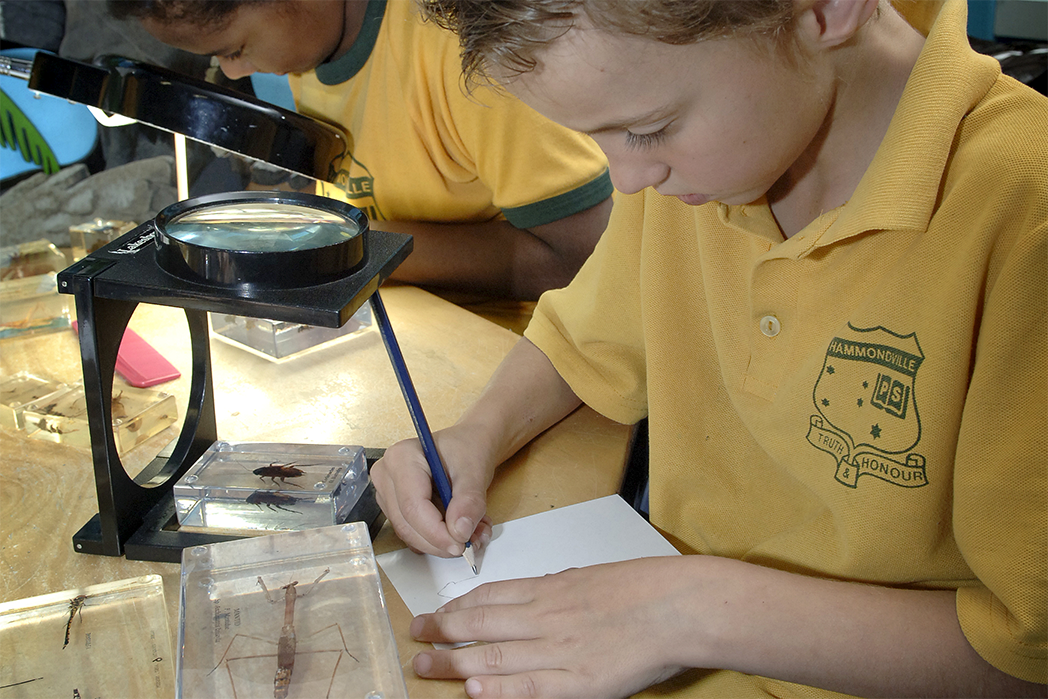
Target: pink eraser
[(139, 362)]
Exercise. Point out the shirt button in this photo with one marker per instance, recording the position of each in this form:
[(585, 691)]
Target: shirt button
[(770, 326)]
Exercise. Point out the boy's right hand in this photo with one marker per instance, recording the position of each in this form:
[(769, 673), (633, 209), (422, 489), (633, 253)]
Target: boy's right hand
[(404, 489)]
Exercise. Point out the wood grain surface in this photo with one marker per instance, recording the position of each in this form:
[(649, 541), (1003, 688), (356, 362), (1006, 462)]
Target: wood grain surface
[(344, 393)]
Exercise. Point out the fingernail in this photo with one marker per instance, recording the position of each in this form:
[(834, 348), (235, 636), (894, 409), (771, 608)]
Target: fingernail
[(473, 687), (485, 538), (464, 528), (422, 663)]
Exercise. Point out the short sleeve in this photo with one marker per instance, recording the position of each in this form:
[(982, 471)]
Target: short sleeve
[(538, 171), (591, 330), (1001, 471)]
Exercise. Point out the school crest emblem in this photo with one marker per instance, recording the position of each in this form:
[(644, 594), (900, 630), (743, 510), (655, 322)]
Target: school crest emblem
[(357, 185), (866, 409)]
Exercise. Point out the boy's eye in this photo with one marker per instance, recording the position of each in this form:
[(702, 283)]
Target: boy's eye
[(234, 55), (644, 140)]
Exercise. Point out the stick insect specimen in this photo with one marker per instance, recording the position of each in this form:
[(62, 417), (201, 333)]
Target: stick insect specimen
[(75, 606), (287, 643), (28, 323)]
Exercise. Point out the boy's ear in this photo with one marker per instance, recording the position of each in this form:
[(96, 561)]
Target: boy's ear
[(828, 23)]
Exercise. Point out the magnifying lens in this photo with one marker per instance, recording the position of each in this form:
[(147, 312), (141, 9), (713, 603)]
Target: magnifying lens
[(261, 240)]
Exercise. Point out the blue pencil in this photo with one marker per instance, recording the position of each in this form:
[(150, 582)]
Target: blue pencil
[(425, 436)]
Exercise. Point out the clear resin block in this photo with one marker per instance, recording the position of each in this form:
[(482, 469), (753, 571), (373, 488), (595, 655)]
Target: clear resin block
[(108, 640), (88, 237), (20, 390), (297, 615), (262, 486), (35, 258), (138, 414), (32, 305), (275, 339)]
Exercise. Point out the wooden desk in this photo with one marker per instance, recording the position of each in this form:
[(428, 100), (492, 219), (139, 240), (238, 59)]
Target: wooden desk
[(343, 394)]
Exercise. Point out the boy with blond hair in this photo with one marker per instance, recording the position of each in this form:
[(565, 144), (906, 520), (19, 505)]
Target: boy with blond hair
[(826, 291)]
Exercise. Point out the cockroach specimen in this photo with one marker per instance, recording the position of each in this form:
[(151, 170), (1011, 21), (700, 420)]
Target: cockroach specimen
[(273, 501), (75, 605), (281, 472)]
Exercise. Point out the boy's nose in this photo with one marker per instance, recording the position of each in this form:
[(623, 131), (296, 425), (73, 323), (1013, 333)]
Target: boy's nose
[(630, 175), (236, 68)]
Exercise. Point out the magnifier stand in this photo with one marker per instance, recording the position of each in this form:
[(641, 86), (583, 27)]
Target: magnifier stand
[(136, 516)]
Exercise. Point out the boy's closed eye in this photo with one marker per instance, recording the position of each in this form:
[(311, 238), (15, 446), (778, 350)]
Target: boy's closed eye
[(642, 141)]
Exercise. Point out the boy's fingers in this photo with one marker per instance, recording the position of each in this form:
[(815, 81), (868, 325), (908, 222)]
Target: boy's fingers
[(482, 534), (465, 512), (492, 672), (482, 659), (403, 490)]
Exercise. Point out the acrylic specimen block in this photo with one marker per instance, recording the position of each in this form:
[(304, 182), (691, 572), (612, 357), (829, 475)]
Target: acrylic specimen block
[(263, 486), (18, 391), (297, 615), (138, 414), (276, 340), (87, 237), (32, 259), (32, 305), (107, 640)]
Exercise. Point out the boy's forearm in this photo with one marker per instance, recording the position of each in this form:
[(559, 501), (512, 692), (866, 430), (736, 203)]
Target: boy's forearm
[(496, 259), (864, 640), (523, 398)]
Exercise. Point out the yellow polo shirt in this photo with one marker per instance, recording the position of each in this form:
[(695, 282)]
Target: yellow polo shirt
[(867, 400), (421, 149)]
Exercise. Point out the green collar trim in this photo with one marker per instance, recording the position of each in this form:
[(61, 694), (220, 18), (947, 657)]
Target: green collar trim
[(349, 64)]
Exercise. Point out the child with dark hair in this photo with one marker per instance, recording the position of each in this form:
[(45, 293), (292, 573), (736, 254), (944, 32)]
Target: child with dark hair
[(826, 290), (502, 202)]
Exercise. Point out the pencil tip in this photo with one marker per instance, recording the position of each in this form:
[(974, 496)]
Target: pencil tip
[(468, 555)]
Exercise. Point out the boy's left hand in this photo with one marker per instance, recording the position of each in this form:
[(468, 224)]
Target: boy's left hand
[(599, 631)]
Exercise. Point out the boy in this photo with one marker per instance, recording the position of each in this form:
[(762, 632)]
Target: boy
[(502, 202), (827, 294)]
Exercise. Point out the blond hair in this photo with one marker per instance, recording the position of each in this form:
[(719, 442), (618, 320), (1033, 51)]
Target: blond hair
[(505, 36)]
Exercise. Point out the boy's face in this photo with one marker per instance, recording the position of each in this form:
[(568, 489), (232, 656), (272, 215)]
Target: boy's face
[(268, 37), (716, 120)]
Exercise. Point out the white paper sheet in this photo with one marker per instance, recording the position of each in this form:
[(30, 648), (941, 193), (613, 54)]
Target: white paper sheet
[(599, 531)]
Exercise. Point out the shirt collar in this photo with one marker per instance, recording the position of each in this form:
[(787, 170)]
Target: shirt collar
[(899, 190), (349, 64)]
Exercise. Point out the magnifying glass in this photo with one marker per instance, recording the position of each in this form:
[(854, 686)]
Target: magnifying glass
[(261, 240), (286, 255)]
